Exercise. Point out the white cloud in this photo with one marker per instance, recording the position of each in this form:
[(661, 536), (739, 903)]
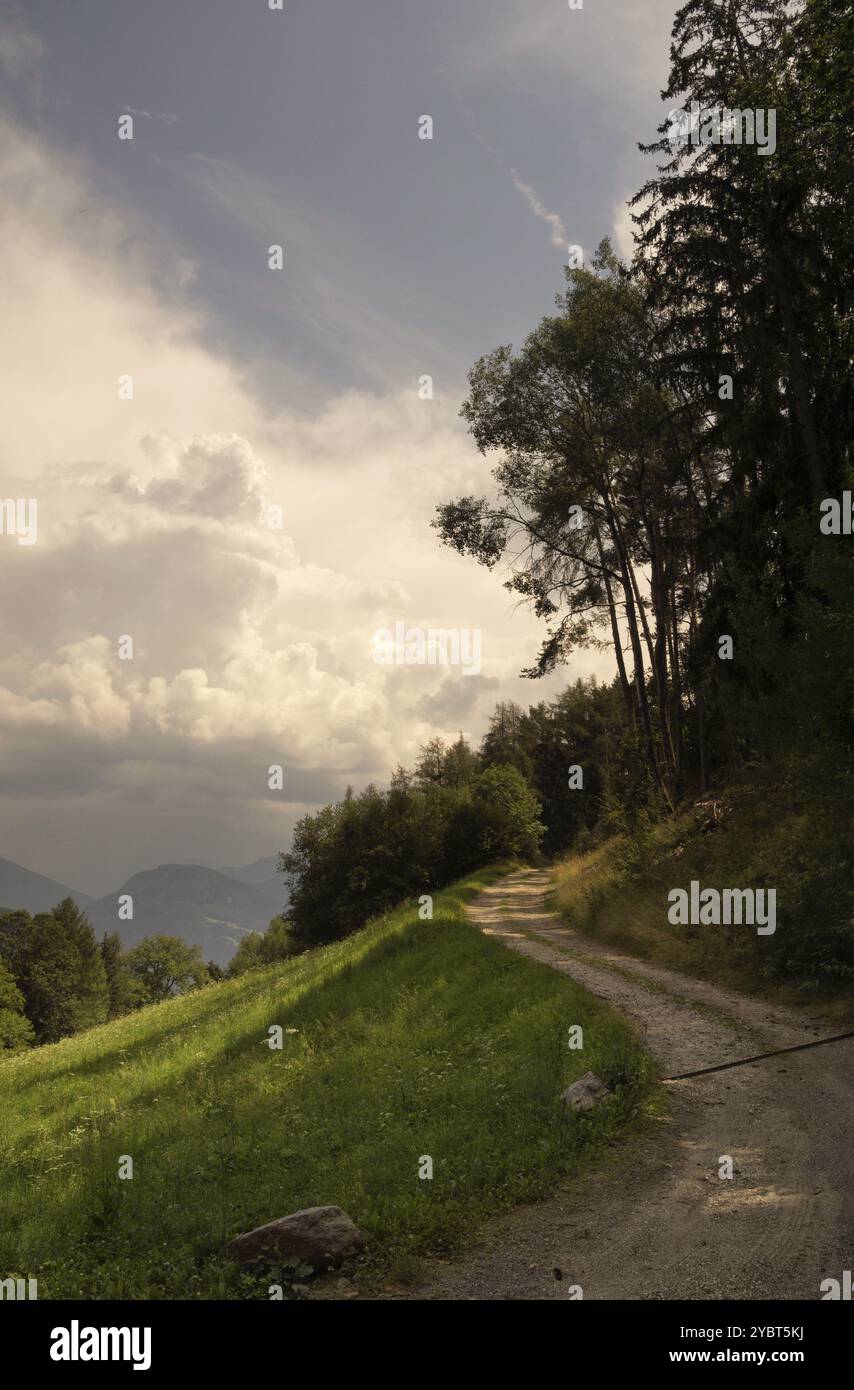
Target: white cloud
[(251, 644), (213, 476), (528, 192), (622, 231), (553, 221)]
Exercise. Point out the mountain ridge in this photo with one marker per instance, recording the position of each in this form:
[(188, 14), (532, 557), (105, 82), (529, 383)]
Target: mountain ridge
[(34, 892), (200, 905), (203, 906)]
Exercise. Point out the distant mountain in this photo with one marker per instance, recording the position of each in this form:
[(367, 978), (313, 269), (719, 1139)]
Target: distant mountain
[(202, 906), (256, 872), (33, 892), (262, 875)]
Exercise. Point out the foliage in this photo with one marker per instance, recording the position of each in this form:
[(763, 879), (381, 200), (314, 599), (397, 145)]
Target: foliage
[(263, 948), (369, 852), (663, 443), (56, 965), (91, 994), (16, 1031), (165, 965), (120, 986), (785, 826)]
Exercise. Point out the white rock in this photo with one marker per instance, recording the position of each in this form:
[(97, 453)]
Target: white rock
[(584, 1093)]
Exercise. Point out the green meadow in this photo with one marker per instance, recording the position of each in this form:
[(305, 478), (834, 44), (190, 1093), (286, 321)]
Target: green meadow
[(409, 1038)]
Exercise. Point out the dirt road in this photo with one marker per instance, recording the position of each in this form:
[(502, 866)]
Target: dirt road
[(660, 1222)]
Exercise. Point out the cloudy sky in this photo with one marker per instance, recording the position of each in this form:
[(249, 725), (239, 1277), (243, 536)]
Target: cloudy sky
[(256, 389)]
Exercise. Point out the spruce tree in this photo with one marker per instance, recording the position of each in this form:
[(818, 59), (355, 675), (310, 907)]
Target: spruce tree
[(89, 987), (119, 991), (737, 239), (49, 966)]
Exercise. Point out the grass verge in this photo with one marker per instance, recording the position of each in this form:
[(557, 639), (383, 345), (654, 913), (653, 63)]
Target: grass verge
[(785, 834)]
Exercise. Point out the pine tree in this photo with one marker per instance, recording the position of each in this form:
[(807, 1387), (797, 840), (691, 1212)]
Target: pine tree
[(119, 992), (746, 257), (91, 995), (430, 768), (47, 975), (735, 249)]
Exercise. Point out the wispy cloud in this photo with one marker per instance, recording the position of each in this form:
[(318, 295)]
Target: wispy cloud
[(538, 208), (325, 286), (165, 116), (20, 47), (528, 192)]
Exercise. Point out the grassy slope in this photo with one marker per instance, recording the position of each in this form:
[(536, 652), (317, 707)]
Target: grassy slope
[(409, 1038), (787, 833)]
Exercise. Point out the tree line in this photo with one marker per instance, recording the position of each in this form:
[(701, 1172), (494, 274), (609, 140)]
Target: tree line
[(664, 449), (458, 808), (363, 855), (56, 978), (540, 780), (664, 442)]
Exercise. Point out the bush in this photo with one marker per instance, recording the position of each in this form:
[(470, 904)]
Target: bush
[(362, 857), (16, 1031)]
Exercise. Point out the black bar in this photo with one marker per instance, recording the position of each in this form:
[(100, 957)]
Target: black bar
[(281, 1339)]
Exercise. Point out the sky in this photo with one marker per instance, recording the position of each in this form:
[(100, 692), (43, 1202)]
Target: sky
[(260, 506)]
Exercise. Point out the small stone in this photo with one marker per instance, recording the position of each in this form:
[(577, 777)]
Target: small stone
[(584, 1093)]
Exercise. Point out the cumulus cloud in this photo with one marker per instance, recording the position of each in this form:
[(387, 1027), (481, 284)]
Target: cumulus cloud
[(456, 701), (250, 558), (214, 476)]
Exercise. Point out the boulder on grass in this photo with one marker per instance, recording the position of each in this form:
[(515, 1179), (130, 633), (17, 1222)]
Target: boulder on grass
[(322, 1237), (584, 1093)]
